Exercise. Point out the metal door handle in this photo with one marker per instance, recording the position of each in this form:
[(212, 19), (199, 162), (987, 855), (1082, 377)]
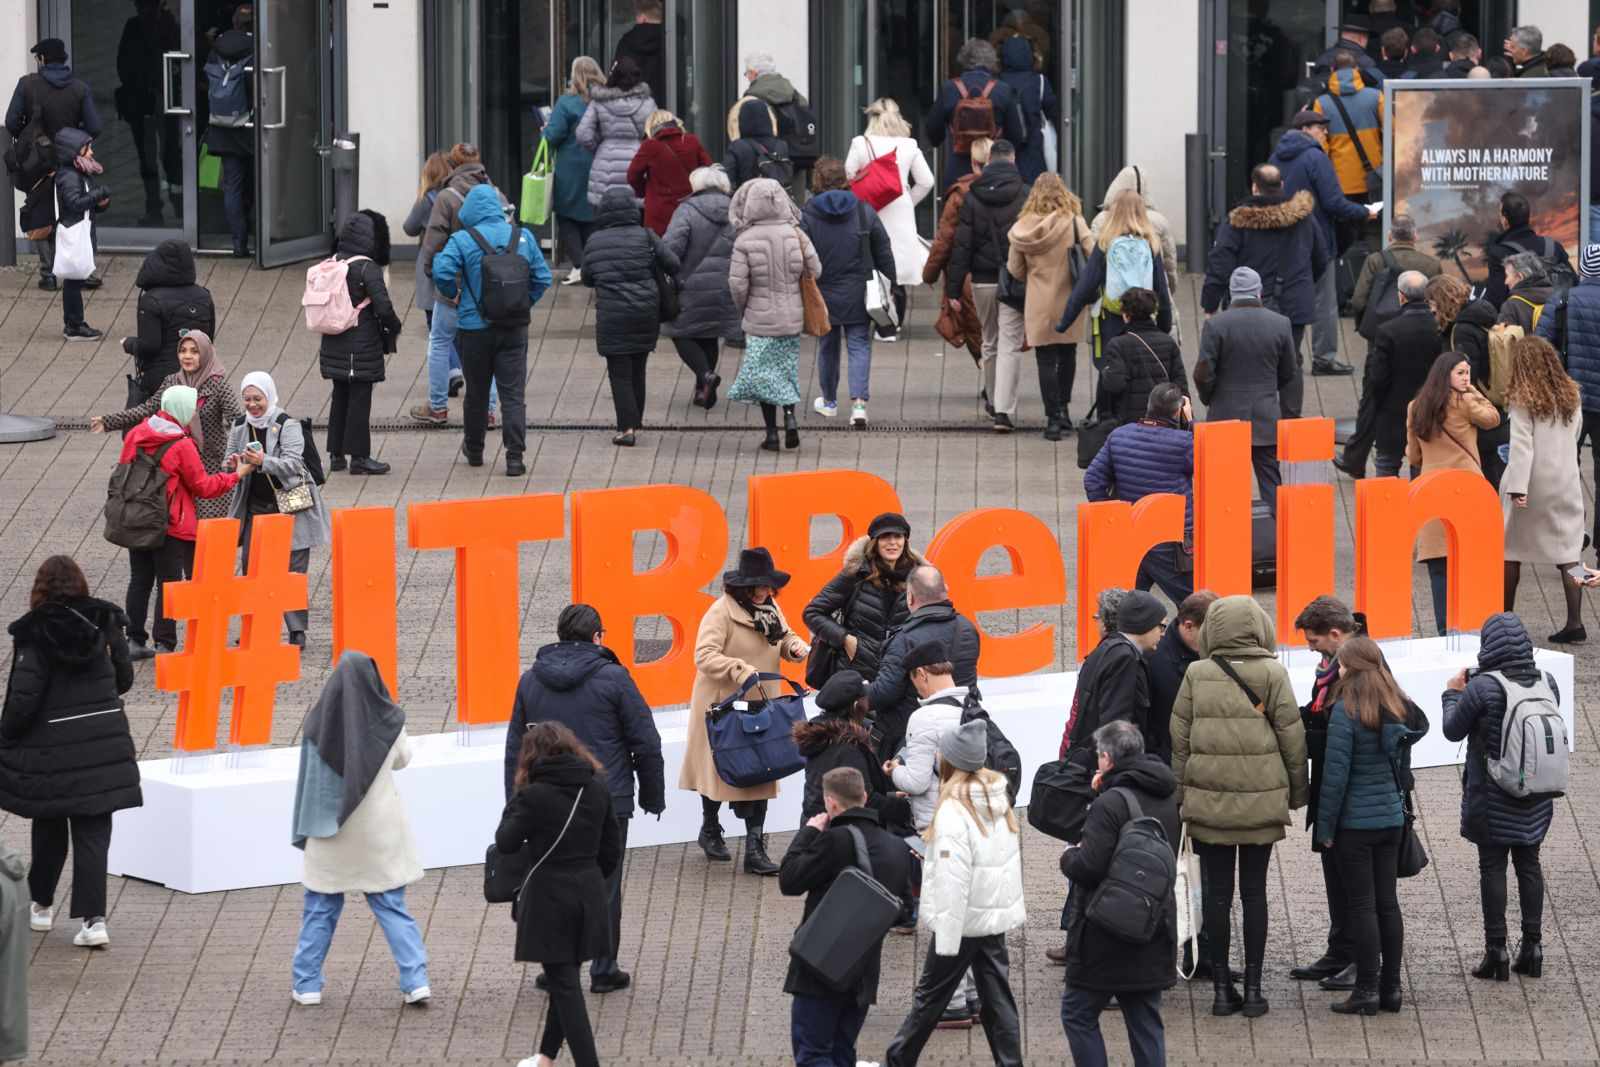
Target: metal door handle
[(166, 83), (282, 74)]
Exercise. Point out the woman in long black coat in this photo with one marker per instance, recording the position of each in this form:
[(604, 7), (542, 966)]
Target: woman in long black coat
[(67, 759), (353, 361), (562, 812), (1501, 825), (856, 610)]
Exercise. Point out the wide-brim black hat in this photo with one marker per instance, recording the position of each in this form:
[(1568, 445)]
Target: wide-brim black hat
[(1356, 24), (755, 569)]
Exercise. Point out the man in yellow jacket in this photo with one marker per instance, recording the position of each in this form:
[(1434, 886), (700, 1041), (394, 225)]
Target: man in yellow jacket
[(1355, 118)]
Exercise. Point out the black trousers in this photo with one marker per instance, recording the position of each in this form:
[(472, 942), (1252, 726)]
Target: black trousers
[(573, 235), (1359, 446), (499, 353), (699, 354), (990, 966), (1367, 863), (299, 563), (91, 840), (1591, 428), (150, 569), (1264, 458), (350, 419), (1058, 369), (1492, 888), (751, 812), (1340, 945), (1141, 1013), (566, 1020), (1292, 396), (608, 965), (627, 388), (1216, 861), (823, 1030)]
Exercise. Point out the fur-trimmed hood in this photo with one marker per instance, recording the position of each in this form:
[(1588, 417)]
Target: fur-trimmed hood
[(855, 557), (820, 734), (69, 633), (1272, 212)]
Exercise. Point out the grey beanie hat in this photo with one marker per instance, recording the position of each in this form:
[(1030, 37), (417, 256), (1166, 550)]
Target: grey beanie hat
[(966, 746), (1244, 282)]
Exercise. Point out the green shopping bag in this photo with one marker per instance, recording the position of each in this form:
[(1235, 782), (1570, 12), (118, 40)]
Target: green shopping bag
[(536, 187), (210, 169)]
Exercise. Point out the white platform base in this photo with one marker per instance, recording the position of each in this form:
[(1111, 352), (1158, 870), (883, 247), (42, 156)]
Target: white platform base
[(221, 821)]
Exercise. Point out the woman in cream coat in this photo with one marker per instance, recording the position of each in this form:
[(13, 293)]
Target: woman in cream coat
[(889, 132), (742, 633)]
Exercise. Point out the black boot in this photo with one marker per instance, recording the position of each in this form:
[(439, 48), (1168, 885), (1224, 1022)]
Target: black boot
[(769, 415), (756, 860), (1496, 963), (1389, 998), (1226, 999), (1530, 957), (1363, 1000), (1255, 1005), (791, 429), (710, 839)]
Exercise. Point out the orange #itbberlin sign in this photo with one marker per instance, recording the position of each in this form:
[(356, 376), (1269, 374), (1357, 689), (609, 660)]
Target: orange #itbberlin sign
[(485, 534)]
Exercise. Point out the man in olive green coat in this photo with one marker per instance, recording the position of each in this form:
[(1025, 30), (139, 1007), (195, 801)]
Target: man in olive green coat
[(1239, 754)]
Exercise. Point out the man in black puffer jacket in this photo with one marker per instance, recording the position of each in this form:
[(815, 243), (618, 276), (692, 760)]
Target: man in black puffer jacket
[(66, 756), (620, 262), (892, 696), (579, 683), (1500, 824), (353, 361), (1114, 682), (170, 304)]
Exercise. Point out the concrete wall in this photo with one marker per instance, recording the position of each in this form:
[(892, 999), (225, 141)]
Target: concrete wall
[(1163, 79), (1563, 21), (18, 30), (385, 84), (781, 28)]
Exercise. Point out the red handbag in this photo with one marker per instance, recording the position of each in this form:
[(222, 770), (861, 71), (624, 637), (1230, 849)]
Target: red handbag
[(879, 183)]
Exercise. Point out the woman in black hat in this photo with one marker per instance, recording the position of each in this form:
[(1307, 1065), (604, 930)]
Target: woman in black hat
[(743, 633), (838, 737), (850, 619)]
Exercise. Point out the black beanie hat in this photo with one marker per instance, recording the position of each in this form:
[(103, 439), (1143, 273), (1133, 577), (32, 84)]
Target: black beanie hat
[(927, 654), (840, 693), (889, 522)]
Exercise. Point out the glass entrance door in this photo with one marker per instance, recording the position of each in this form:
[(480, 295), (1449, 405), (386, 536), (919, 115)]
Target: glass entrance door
[(141, 72), (294, 130)]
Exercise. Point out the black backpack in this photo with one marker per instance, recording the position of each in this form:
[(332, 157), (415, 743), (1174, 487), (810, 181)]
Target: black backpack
[(1559, 271), (136, 500), (1001, 755), (1131, 901), (31, 154), (1383, 299), (797, 125), (503, 274), (771, 165)]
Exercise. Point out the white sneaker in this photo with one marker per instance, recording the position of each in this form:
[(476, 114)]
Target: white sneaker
[(574, 276), (309, 1000), (823, 408), (858, 413), (419, 995), (42, 920), (92, 936)]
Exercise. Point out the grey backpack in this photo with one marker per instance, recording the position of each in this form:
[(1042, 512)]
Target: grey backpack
[(1533, 742)]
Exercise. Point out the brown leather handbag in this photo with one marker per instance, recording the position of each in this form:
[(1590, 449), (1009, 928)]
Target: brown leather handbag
[(817, 323)]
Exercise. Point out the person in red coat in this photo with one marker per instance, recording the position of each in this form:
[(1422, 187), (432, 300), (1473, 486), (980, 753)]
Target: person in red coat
[(186, 480), (660, 169)]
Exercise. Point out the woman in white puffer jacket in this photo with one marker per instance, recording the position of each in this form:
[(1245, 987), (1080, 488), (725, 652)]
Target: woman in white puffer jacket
[(971, 897)]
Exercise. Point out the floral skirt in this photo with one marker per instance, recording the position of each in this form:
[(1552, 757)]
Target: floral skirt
[(769, 372)]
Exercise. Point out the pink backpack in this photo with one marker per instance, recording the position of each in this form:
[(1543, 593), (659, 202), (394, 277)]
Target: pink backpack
[(327, 297)]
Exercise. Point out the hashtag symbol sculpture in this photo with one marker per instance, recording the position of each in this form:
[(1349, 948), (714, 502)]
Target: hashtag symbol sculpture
[(207, 665)]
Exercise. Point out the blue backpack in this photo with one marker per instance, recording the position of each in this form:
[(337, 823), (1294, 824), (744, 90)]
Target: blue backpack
[(1129, 265), (228, 90)]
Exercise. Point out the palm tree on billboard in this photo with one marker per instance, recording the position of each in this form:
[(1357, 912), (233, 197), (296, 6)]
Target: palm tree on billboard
[(1450, 245)]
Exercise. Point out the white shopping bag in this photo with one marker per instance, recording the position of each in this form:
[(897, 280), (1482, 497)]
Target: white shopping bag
[(880, 302), (74, 248), (1186, 891)]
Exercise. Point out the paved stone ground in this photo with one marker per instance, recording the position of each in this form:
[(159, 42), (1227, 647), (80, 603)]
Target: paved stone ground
[(203, 979)]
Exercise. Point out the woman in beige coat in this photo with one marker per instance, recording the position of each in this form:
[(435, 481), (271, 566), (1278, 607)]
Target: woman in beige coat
[(743, 633), (1541, 489), (1049, 226), (350, 820), (1442, 425)]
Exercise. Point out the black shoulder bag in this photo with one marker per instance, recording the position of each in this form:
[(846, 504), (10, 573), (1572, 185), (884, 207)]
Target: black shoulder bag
[(505, 875), (1411, 857), (1250, 694), (848, 923)]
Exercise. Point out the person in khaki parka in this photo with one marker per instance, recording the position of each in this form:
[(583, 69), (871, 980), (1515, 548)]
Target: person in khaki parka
[(1240, 761)]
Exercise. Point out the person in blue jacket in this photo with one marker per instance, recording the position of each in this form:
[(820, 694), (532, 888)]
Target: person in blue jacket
[(497, 350), (1153, 455), (1573, 327), (1302, 159), (1361, 816), (570, 204), (1038, 101), (978, 63)]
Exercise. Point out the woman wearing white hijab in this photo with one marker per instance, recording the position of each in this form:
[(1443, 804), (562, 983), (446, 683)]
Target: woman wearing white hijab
[(281, 441)]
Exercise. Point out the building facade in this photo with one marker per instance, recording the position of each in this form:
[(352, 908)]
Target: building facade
[(1136, 78)]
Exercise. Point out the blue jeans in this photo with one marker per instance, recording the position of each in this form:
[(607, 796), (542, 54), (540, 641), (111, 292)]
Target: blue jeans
[(858, 342), (399, 929), (823, 1030), (444, 358), (1141, 1013)]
